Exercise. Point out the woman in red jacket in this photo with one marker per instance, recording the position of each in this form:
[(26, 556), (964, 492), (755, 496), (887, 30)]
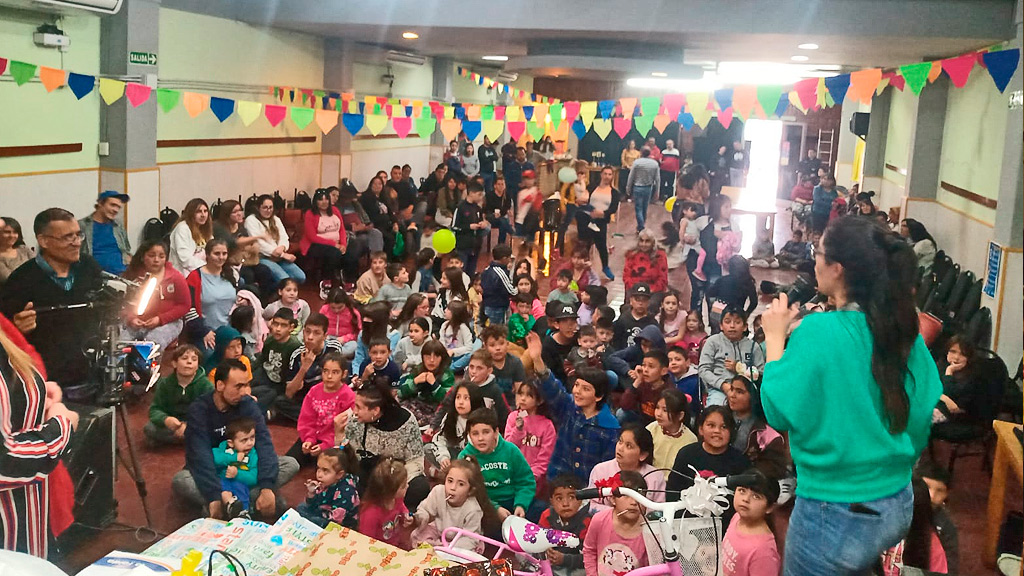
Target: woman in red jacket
[(324, 238), (646, 263), (162, 320)]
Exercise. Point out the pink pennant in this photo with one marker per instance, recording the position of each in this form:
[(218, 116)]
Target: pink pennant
[(897, 81), (437, 108), (806, 90), (572, 110), (622, 126), (515, 129), (402, 126), (959, 68), (725, 117), (499, 112), (274, 113), (673, 104), (137, 93)]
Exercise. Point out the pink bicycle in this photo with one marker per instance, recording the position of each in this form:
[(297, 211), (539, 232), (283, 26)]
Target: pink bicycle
[(523, 538)]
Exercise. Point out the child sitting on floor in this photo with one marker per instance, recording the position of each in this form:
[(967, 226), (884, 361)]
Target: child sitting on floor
[(507, 475), (683, 374), (382, 512), (427, 383), (592, 297), (450, 436), (727, 354), (459, 502), (325, 411), (409, 351), (562, 292), (173, 394), (370, 282), (343, 320), (669, 430), (288, 297), (584, 353), (379, 363), (617, 539), (396, 292), (236, 463), (522, 322), (333, 496), (568, 514)]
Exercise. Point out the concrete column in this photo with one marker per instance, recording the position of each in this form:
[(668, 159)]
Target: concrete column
[(874, 151), (926, 140), (336, 146), (131, 132), (848, 142), (443, 91)]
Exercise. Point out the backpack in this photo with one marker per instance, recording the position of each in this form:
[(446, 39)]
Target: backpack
[(153, 230)]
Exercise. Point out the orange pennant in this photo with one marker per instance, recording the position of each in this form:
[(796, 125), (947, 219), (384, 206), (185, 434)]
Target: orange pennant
[(194, 103), (450, 128), (52, 78), (472, 112), (661, 121), (744, 98), (863, 83), (935, 71), (628, 105)]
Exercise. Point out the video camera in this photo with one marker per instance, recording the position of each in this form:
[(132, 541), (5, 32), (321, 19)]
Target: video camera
[(803, 290)]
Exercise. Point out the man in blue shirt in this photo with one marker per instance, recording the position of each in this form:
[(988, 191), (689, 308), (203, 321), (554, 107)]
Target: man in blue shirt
[(105, 239)]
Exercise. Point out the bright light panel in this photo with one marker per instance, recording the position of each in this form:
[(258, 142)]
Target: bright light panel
[(808, 46), (708, 82), (799, 58), (496, 58), (410, 35)]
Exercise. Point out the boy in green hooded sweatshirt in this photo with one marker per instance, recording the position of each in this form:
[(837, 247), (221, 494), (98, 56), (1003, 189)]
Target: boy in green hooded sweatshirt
[(173, 394), (507, 475)]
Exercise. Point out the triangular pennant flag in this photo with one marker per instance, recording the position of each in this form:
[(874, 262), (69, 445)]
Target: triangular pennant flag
[(111, 90), (81, 84), (622, 126), (805, 91), (916, 75), (425, 126), (328, 119), (376, 122), (301, 116), (513, 114), (248, 111), (768, 97), (487, 113), (744, 98), (898, 82), (561, 133), (222, 108), (725, 117), (194, 103), (686, 120), (516, 129), (837, 87), (628, 106), (536, 130), (52, 78), (794, 99), (274, 113), (935, 72), (460, 113), (493, 129), (137, 93), (450, 128), (821, 94), (578, 128), (402, 126), (1001, 65), (643, 124), (528, 113), (606, 107), (649, 106), (602, 127), (556, 115), (661, 121), (696, 102), (473, 113), (782, 105), (499, 113), (471, 128), (959, 68), (353, 122), (588, 111), (436, 108), (3, 65), (724, 98), (167, 99), (23, 72), (863, 83), (572, 110), (673, 104), (540, 113)]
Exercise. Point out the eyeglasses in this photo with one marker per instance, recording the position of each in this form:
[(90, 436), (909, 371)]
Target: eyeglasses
[(67, 238)]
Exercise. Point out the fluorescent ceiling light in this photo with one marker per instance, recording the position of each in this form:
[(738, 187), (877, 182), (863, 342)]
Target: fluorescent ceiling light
[(708, 82), (659, 74), (808, 46), (410, 35), (819, 74), (799, 58), (758, 73), (496, 58)]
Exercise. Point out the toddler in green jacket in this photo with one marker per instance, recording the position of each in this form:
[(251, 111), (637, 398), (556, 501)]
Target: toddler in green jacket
[(507, 475)]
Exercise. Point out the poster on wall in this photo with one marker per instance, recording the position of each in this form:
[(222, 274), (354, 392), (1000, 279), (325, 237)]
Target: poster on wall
[(994, 263)]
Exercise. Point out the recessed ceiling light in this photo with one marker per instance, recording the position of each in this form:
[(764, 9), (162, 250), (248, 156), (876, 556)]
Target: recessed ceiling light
[(410, 35), (496, 58), (659, 74), (799, 58), (808, 46)]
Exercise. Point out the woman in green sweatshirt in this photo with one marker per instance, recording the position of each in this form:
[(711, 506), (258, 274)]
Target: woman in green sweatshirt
[(855, 390), (507, 475)]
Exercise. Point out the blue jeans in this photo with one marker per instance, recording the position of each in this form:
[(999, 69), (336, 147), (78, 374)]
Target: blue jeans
[(828, 538), (283, 269), (504, 227), (488, 180), (641, 199), (495, 314)]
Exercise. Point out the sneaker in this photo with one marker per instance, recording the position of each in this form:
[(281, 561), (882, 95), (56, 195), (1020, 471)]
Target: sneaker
[(594, 227), (608, 273), (234, 509), (325, 289)]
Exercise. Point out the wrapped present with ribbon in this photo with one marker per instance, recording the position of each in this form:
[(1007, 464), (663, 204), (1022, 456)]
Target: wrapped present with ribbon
[(341, 551)]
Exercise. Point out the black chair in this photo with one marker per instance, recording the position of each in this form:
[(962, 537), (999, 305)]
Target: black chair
[(936, 303), (925, 288), (979, 328), (976, 436), (970, 304)]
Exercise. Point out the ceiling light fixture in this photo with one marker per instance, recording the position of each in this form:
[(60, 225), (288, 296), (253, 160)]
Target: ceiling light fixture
[(659, 74), (808, 46), (495, 58), (410, 35), (708, 82), (799, 58), (758, 73)]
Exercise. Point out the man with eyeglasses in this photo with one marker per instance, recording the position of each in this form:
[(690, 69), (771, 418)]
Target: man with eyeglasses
[(59, 275)]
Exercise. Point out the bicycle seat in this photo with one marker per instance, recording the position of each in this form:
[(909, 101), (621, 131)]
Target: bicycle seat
[(522, 535)]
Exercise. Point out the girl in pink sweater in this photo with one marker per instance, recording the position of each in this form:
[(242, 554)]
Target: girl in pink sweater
[(343, 320), (531, 430), (634, 452), (325, 409)]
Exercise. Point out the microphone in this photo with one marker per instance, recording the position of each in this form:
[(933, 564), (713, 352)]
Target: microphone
[(735, 480)]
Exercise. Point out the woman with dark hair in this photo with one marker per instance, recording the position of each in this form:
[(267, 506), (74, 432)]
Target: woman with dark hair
[(13, 252), (592, 219), (957, 415), (212, 291), (377, 208), (189, 236), (273, 241), (230, 226), (921, 548), (857, 421), (758, 441), (358, 225), (161, 321), (324, 238), (918, 237)]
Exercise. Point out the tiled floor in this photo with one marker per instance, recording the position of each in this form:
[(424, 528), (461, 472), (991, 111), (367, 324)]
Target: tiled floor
[(967, 501)]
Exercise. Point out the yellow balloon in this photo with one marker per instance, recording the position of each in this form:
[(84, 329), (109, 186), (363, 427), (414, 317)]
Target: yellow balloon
[(443, 241), (670, 203)]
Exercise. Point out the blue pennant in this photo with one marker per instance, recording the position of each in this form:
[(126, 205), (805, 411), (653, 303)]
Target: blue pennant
[(471, 128), (685, 120), (1001, 66), (222, 108), (81, 84), (783, 105), (353, 122), (605, 108), (837, 87), (724, 98), (460, 113)]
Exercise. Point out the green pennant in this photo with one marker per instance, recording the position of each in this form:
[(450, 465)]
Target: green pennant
[(916, 75), (649, 106), (555, 111), (167, 99), (22, 71), (425, 124), (487, 113), (319, 93), (536, 130), (301, 116), (768, 98), (643, 123), (339, 104), (395, 101)]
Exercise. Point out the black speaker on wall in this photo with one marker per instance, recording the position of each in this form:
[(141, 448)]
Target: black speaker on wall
[(90, 462), (859, 123)]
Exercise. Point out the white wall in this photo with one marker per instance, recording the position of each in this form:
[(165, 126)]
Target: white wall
[(22, 197), (227, 179)]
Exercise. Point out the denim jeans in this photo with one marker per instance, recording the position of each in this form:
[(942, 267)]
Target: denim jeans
[(184, 486), (641, 199), (504, 226), (829, 538), (495, 314), (284, 269), (488, 180)]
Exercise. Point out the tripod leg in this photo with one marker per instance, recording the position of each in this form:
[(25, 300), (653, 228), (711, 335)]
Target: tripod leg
[(132, 465)]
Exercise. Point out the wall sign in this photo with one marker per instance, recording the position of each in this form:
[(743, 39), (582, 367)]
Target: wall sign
[(992, 269), (143, 58)]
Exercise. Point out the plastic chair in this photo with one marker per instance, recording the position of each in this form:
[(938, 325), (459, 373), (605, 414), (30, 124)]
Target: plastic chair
[(971, 303), (979, 328), (924, 289), (959, 292)]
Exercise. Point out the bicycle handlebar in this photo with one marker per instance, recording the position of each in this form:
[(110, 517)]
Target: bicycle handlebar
[(591, 493)]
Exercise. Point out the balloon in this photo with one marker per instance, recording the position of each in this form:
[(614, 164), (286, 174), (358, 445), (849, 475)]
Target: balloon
[(443, 241), (670, 203), (567, 175)]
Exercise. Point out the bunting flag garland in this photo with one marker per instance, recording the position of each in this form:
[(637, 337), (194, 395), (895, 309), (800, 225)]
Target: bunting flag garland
[(222, 108), (301, 116), (782, 105), (686, 120), (649, 106), (588, 111), (52, 78), (248, 111), (425, 126), (512, 113), (744, 99), (724, 98), (80, 84), (111, 90), (959, 68), (528, 113), (516, 129), (643, 124), (837, 87), (916, 75), (935, 72), (806, 93), (275, 114), (863, 83), (556, 111), (673, 104), (1001, 66), (605, 108), (572, 110), (194, 102), (137, 94), (471, 128), (535, 130), (376, 123), (22, 72), (602, 127), (354, 122), (3, 65), (167, 99), (499, 113), (896, 81), (661, 121), (493, 129), (450, 128), (768, 98), (402, 126), (622, 126), (578, 128), (628, 106)]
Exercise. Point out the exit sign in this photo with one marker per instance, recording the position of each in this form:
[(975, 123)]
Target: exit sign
[(143, 58)]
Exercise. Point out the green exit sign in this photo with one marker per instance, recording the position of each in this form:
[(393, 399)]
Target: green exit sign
[(143, 58)]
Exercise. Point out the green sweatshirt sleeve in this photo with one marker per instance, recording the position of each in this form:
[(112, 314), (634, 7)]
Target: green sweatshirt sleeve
[(447, 381), (786, 386), (158, 408), (523, 482), (406, 386), (249, 476)]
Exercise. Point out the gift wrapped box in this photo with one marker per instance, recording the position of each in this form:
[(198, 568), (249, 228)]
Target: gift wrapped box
[(341, 551), (497, 567)]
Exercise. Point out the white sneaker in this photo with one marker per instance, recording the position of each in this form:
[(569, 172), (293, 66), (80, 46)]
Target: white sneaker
[(594, 227), (787, 486), (325, 289)]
